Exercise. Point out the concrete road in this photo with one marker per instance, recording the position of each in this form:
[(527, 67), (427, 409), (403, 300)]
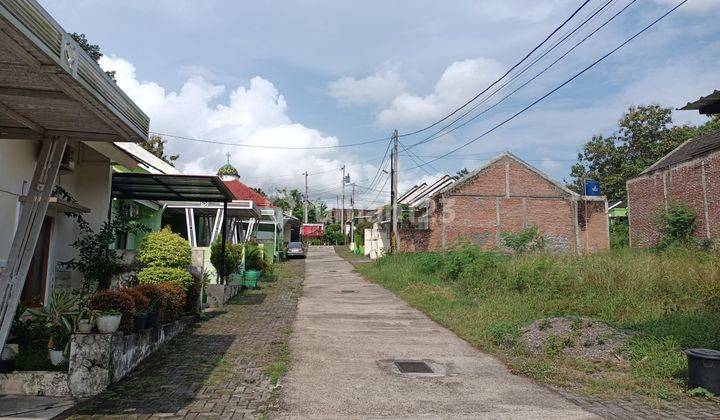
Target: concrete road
[(347, 334)]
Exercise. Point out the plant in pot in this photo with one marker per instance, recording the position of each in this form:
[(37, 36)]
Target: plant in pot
[(142, 305), (60, 317), (156, 303), (115, 309), (254, 264), (233, 258)]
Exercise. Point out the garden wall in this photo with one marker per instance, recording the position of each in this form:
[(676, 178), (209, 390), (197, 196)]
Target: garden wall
[(96, 361), (220, 294)]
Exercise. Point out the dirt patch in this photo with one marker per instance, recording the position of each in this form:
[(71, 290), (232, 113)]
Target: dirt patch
[(576, 337)]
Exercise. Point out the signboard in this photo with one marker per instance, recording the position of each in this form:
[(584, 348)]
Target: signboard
[(592, 187), (314, 230)]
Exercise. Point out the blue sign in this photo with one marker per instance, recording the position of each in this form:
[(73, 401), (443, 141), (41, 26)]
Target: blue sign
[(592, 187)]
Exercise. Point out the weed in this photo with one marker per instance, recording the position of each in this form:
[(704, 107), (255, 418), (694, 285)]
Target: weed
[(700, 392)]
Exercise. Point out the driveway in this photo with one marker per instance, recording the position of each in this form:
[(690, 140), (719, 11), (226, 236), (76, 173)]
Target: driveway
[(348, 333)]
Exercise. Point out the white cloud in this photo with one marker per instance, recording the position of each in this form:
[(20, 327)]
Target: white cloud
[(459, 82), (379, 87), (693, 5), (255, 115)]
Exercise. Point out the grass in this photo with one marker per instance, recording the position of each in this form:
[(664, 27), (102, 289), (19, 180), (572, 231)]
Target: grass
[(667, 300)]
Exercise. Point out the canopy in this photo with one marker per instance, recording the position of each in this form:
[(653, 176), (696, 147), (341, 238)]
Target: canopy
[(197, 188)]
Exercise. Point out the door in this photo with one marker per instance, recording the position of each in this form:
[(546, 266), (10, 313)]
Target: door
[(33, 293)]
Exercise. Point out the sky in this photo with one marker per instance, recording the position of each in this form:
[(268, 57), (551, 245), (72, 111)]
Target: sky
[(318, 73)]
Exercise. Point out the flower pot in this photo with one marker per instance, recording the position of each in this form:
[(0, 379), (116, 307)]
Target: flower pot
[(152, 320), (57, 357), (251, 275), (108, 323), (7, 359), (84, 326), (139, 322), (704, 369)]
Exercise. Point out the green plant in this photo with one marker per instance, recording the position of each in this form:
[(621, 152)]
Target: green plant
[(254, 257), (165, 249), (193, 294), (112, 302), (528, 239), (233, 257), (60, 316), (156, 275), (700, 392), (677, 225)]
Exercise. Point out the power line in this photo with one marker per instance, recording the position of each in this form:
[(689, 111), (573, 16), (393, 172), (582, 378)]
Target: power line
[(257, 146), (593, 64), (594, 14), (439, 134), (504, 75)]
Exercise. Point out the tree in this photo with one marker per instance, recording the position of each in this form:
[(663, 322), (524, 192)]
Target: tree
[(93, 50), (292, 201), (156, 145), (645, 134)]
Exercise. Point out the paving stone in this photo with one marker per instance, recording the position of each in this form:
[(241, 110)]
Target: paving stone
[(212, 370)]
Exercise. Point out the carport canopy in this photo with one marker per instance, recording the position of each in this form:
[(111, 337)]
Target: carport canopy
[(164, 187)]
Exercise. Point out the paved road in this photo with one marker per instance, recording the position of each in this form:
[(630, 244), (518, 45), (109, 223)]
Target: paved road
[(347, 332)]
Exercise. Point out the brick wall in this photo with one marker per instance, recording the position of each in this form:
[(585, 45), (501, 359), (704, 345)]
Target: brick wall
[(695, 183), (507, 196)]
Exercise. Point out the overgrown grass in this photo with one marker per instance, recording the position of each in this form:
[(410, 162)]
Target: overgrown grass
[(667, 300)]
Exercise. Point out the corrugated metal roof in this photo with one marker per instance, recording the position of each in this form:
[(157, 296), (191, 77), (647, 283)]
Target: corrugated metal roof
[(691, 149)]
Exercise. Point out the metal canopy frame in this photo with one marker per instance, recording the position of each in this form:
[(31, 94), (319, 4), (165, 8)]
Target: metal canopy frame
[(166, 187)]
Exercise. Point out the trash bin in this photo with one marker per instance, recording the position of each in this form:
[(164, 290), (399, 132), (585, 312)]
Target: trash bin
[(704, 369)]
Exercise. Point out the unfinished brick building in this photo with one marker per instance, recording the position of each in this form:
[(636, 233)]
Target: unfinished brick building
[(688, 175), (508, 195)]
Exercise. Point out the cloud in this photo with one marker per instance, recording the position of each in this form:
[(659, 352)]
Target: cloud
[(694, 5), (459, 82), (379, 87), (254, 114)]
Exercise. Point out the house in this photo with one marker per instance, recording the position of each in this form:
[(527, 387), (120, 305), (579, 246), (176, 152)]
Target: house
[(57, 110), (506, 195), (689, 175)]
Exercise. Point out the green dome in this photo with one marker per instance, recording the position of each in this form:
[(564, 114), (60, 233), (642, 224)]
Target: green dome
[(227, 169)]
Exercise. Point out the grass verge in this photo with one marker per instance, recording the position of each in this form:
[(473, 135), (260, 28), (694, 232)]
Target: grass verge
[(667, 301)]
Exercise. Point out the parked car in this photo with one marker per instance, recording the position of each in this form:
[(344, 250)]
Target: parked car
[(295, 249)]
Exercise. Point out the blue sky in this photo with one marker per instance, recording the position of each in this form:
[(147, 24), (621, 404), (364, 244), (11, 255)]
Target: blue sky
[(317, 73)]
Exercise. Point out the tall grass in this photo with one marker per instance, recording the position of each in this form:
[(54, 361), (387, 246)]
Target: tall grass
[(667, 300)]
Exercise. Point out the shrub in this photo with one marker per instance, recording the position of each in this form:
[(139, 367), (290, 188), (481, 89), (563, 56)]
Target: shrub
[(115, 301), (193, 295), (156, 275), (154, 295), (527, 239), (165, 249), (142, 303), (677, 225), (456, 259), (233, 257), (174, 300), (254, 257)]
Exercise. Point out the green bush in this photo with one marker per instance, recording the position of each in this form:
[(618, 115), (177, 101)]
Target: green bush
[(233, 257), (165, 249), (678, 223), (254, 257), (156, 275), (528, 239)]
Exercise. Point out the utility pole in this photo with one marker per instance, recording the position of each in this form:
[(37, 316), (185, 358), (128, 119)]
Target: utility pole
[(394, 239), (352, 216), (342, 212), (305, 201)]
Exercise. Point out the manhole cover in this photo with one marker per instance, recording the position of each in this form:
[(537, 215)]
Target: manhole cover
[(348, 291), (413, 367)]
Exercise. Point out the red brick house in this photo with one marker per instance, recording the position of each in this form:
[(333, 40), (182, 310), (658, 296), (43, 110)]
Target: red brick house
[(688, 175), (508, 195)]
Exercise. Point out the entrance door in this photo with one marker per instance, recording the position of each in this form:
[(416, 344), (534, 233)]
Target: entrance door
[(33, 292)]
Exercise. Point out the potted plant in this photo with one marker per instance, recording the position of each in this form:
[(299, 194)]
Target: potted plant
[(114, 307), (60, 342), (142, 304), (156, 303), (108, 321), (254, 264), (60, 317), (85, 325)]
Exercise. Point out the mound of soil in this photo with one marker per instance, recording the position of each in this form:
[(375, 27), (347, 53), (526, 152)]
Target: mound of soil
[(576, 337)]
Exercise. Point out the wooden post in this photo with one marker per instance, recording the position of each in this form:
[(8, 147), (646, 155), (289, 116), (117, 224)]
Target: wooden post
[(12, 278)]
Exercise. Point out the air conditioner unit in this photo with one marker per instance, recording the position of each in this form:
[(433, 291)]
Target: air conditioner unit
[(129, 210)]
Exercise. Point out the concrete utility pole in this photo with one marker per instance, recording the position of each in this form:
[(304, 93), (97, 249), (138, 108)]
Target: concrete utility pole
[(342, 212), (305, 200), (352, 215), (394, 239)]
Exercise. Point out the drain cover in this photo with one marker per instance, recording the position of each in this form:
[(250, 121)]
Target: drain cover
[(348, 291), (413, 367)]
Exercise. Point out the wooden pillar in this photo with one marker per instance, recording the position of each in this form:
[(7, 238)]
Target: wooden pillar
[(12, 278)]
